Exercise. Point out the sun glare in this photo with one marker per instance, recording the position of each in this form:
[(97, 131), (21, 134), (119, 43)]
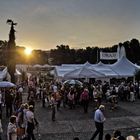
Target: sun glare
[(28, 51)]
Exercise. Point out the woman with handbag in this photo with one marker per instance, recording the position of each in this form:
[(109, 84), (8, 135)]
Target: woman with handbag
[(12, 129)]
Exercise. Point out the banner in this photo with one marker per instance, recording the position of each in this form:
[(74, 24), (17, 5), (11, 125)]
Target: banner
[(108, 56)]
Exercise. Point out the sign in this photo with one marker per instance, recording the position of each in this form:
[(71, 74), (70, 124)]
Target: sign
[(108, 56)]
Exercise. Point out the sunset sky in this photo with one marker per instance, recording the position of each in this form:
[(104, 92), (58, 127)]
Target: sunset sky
[(43, 24)]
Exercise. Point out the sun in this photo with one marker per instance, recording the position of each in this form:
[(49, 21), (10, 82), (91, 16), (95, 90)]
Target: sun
[(28, 51)]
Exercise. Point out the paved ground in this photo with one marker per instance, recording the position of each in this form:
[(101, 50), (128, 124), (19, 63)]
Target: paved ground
[(71, 123)]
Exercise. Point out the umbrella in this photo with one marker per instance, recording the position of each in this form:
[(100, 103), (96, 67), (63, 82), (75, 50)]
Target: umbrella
[(6, 84), (73, 82)]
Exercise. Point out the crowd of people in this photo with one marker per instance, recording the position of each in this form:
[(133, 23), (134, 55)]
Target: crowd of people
[(56, 95)]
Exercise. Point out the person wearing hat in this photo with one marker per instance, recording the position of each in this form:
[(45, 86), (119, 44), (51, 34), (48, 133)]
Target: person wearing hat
[(99, 120), (12, 129)]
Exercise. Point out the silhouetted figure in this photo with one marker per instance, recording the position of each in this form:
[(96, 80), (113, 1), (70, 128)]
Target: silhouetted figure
[(107, 137), (117, 135), (9, 97)]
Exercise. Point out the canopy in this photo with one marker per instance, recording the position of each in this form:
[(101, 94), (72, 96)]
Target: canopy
[(77, 65), (3, 72), (17, 72), (124, 68), (60, 71), (83, 72), (104, 69), (37, 66)]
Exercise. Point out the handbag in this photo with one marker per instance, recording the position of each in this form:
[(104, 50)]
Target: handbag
[(20, 131)]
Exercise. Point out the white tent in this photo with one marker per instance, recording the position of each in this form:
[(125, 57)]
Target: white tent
[(83, 72), (46, 66), (124, 68), (109, 73), (17, 72), (60, 71), (87, 64), (3, 72), (100, 65), (122, 52), (104, 69), (77, 65), (37, 66), (22, 67)]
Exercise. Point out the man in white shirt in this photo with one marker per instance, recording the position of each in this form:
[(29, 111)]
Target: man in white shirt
[(99, 122)]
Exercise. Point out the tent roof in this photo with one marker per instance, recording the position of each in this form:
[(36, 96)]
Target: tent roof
[(84, 72), (37, 66), (87, 64), (60, 70), (3, 72), (100, 66), (124, 67), (18, 72)]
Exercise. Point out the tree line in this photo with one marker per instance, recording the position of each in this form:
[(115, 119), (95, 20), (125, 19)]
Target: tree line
[(63, 54)]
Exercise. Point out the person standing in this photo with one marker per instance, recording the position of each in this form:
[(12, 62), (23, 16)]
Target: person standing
[(30, 123), (84, 98), (99, 119), (71, 98), (53, 104), (12, 129), (58, 99), (9, 98), (43, 97)]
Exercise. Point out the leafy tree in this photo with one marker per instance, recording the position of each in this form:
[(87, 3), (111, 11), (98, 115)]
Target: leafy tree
[(137, 75)]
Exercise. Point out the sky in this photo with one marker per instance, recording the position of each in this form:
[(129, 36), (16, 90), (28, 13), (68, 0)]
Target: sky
[(44, 24)]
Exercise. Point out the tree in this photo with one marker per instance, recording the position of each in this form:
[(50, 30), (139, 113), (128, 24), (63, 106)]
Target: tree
[(137, 75)]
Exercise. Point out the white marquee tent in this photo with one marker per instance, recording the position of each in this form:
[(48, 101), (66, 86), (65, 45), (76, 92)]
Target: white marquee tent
[(122, 68), (83, 72)]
